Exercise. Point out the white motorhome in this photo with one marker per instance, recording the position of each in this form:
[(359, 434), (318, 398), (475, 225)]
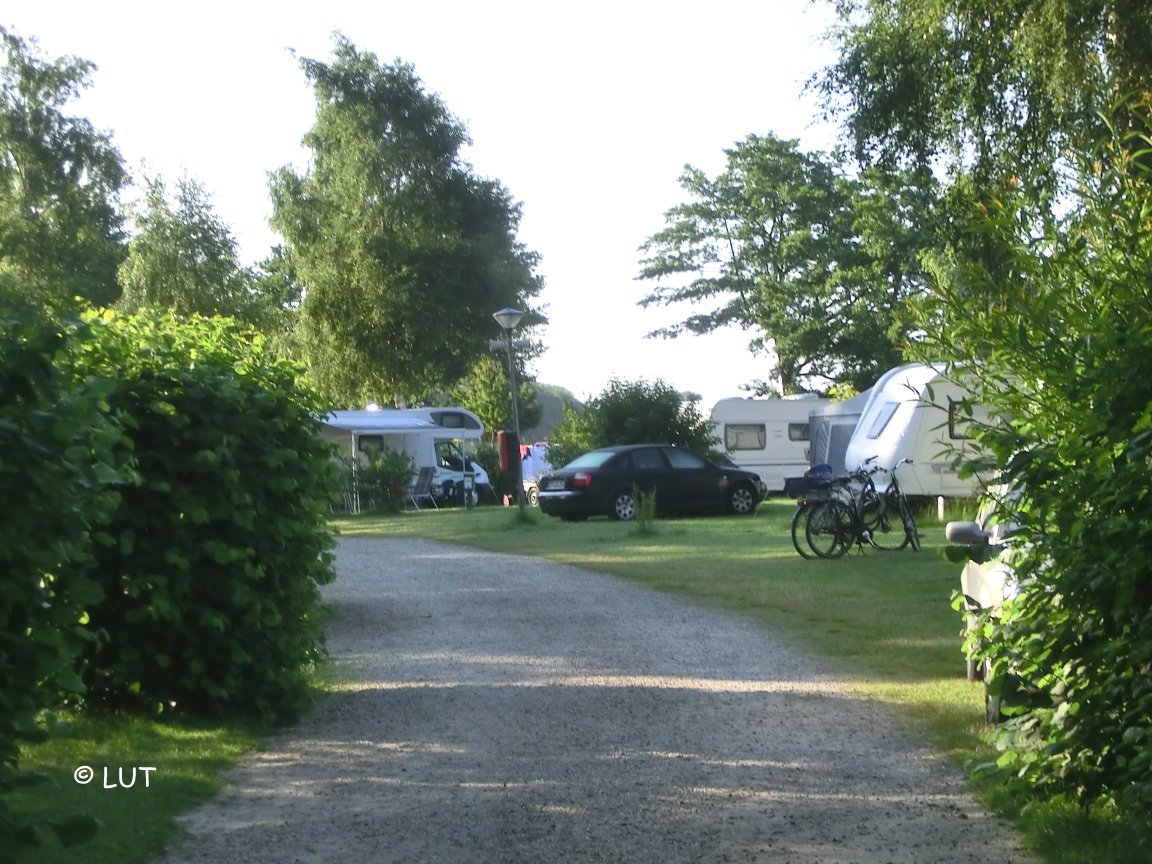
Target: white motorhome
[(768, 436), (437, 438), (916, 412)]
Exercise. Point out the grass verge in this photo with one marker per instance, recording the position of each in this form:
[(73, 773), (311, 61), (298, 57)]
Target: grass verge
[(883, 621), (136, 809), (136, 812)]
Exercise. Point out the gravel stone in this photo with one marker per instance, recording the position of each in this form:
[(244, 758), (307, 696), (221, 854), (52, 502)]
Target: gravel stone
[(507, 709)]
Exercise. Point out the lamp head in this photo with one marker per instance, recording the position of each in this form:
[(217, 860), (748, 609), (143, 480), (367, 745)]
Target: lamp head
[(508, 318)]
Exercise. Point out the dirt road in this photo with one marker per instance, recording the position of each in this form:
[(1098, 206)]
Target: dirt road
[(511, 710)]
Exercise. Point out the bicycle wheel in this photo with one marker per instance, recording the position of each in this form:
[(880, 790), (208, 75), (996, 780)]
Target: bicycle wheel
[(909, 523), (888, 531), (870, 505), (831, 528), (800, 528)]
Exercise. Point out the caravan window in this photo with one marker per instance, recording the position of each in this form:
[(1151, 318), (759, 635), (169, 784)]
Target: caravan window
[(798, 431), (368, 443), (745, 436), (885, 415), (454, 420), (959, 419), (963, 415)]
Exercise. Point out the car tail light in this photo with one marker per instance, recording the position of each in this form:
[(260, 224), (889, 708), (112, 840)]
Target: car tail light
[(581, 480)]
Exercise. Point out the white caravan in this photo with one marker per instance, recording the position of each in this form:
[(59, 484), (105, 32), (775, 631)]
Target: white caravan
[(768, 436), (437, 438), (913, 412)]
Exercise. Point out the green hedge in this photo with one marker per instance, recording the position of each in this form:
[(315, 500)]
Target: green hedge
[(163, 527), (212, 562), (58, 473), (1060, 337)]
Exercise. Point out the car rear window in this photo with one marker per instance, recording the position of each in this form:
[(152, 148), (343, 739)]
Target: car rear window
[(591, 460)]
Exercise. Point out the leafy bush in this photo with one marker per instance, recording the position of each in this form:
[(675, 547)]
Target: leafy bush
[(57, 470), (210, 565), (631, 412), (1061, 337), (385, 477)]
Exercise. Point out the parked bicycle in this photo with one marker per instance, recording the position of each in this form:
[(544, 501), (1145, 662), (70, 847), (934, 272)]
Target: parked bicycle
[(865, 513), (812, 491)]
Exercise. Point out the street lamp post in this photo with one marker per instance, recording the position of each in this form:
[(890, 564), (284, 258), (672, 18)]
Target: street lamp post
[(508, 318)]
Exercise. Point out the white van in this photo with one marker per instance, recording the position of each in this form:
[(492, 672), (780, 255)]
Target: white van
[(915, 412), (767, 436), (534, 464)]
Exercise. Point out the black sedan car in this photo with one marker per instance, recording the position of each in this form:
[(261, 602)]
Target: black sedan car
[(605, 482)]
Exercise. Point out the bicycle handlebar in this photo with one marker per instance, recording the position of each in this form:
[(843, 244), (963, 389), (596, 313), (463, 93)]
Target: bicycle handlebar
[(864, 470)]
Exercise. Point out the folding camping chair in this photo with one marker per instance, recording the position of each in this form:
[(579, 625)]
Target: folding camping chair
[(421, 490)]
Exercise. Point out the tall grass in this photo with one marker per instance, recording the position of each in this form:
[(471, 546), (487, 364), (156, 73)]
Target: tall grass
[(645, 524)]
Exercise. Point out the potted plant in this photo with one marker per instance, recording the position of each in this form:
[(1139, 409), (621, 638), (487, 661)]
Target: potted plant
[(386, 477)]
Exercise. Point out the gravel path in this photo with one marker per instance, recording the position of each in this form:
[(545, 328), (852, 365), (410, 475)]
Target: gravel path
[(513, 710)]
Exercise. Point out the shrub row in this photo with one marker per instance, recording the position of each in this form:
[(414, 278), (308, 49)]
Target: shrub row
[(163, 532)]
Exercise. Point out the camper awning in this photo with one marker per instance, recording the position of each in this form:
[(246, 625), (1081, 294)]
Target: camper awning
[(376, 422)]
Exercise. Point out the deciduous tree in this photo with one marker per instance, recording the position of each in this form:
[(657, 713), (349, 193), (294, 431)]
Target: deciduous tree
[(1004, 90), (631, 412), (277, 306), (61, 233), (1065, 354), (485, 391), (785, 244), (403, 251), (184, 257)]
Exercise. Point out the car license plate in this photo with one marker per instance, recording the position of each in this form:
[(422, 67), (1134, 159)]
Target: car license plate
[(554, 484)]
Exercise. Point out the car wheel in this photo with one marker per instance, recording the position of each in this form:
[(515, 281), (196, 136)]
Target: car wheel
[(743, 500), (533, 497), (623, 506)]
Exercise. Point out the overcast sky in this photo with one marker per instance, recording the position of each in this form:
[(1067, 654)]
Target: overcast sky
[(586, 112)]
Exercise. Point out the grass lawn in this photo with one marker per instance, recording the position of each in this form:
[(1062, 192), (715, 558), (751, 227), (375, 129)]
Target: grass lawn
[(137, 820)]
